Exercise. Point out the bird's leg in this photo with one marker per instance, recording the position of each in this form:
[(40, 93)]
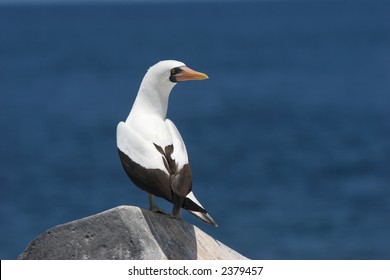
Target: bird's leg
[(177, 203), (152, 205), (176, 213)]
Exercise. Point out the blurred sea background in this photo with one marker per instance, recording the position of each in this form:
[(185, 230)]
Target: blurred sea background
[(289, 139)]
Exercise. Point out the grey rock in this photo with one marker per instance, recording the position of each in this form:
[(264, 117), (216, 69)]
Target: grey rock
[(127, 233)]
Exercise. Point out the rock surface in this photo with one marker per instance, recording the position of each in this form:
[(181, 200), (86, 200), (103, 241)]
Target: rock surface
[(127, 232)]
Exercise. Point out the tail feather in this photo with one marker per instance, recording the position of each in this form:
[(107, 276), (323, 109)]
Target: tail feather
[(194, 207), (205, 217)]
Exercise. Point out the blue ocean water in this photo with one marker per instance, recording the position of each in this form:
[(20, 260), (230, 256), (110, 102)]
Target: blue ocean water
[(289, 140)]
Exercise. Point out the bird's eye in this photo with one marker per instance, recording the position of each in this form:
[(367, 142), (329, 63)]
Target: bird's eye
[(176, 70)]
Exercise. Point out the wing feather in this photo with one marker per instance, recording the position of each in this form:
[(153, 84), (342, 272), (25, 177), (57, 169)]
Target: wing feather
[(179, 152)]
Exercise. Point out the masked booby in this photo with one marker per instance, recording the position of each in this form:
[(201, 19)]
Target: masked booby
[(150, 147)]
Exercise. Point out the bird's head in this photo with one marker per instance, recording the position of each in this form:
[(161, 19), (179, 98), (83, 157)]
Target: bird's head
[(172, 72)]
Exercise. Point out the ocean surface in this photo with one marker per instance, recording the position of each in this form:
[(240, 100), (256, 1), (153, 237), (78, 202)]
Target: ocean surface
[(289, 139)]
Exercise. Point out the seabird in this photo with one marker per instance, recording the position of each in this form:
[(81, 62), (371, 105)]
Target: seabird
[(150, 146)]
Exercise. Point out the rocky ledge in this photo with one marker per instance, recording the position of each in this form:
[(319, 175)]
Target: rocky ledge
[(127, 233)]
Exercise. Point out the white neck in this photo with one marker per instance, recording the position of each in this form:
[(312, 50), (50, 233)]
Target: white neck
[(152, 98)]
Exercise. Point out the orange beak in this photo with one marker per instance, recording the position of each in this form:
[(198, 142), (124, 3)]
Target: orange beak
[(187, 74)]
